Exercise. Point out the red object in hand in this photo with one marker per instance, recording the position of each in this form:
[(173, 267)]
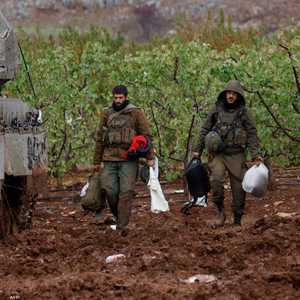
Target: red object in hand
[(138, 141)]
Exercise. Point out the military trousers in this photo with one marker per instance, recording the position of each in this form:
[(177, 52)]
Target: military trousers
[(235, 165), (118, 179)]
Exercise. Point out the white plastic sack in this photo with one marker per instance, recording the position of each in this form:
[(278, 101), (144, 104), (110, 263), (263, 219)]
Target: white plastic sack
[(84, 190), (256, 180), (40, 117), (158, 201)]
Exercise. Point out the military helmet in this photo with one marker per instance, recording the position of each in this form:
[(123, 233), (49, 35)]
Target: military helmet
[(213, 142)]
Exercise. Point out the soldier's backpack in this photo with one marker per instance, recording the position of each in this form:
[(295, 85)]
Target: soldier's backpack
[(94, 199), (198, 183)]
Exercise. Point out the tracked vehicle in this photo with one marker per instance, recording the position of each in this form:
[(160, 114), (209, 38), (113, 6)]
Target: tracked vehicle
[(23, 145)]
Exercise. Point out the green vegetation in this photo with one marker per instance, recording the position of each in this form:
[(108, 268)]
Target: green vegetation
[(176, 80)]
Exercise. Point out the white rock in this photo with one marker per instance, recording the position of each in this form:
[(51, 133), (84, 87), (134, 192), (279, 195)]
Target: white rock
[(200, 278), (286, 215), (114, 258)]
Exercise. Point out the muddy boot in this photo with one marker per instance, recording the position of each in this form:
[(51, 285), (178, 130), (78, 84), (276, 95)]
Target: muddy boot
[(99, 218), (122, 231), (237, 220), (110, 221), (221, 217)]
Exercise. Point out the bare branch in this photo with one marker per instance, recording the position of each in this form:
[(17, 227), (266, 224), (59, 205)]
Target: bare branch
[(293, 67), (157, 129), (175, 158), (170, 112), (189, 138), (284, 130), (295, 105)]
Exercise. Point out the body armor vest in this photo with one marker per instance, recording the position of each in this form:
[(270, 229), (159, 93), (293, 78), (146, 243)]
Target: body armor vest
[(120, 128), (229, 127)]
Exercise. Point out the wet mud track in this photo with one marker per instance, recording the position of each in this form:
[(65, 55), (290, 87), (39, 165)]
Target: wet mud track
[(64, 255)]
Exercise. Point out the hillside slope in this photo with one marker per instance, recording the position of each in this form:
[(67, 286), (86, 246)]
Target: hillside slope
[(142, 20)]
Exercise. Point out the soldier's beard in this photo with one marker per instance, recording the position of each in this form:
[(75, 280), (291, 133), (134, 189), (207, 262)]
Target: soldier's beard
[(233, 105), (118, 107)]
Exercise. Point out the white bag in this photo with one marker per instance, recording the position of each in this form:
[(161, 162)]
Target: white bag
[(158, 201), (255, 180), (84, 190)]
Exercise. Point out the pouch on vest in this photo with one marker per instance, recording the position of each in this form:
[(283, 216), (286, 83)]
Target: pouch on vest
[(127, 134), (240, 137), (118, 122), (114, 137), (230, 129)]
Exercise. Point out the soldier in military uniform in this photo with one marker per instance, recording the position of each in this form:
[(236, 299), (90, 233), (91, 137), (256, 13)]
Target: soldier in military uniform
[(118, 125), (226, 133)]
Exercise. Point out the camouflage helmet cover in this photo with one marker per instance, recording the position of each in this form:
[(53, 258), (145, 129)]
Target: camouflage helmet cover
[(213, 142)]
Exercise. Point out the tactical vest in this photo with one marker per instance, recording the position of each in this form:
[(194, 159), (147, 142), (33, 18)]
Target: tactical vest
[(120, 127), (229, 127)]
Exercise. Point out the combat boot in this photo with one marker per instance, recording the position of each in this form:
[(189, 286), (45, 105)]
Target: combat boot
[(123, 231), (237, 220), (99, 218)]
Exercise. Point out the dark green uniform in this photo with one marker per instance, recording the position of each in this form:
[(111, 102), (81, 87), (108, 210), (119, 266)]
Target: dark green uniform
[(118, 178), (237, 130)]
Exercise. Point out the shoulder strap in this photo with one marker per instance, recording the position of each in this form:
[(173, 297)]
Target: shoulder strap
[(239, 114), (216, 116), (128, 108)]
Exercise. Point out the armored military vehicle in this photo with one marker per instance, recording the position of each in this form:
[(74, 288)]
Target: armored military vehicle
[(23, 144)]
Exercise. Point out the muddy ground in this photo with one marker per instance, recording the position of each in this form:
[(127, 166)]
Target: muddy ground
[(63, 255)]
